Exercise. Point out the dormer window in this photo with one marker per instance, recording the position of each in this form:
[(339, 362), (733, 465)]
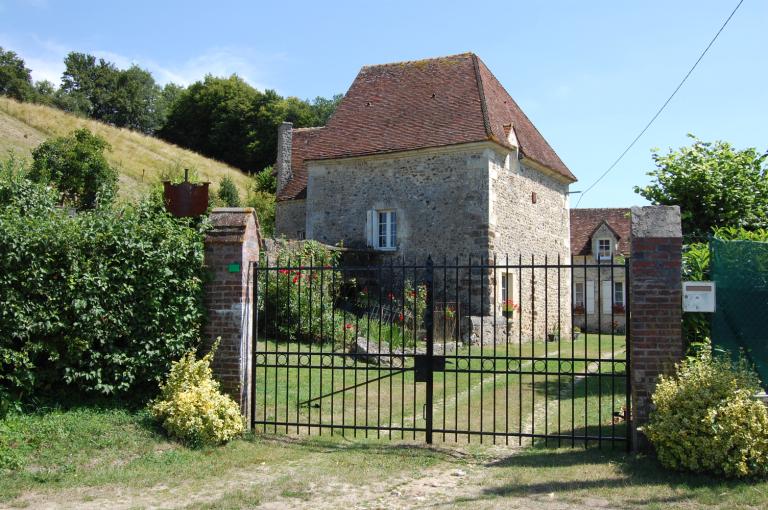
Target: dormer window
[(604, 249)]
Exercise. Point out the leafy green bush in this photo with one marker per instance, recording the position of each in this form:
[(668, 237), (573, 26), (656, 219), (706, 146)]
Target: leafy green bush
[(299, 302), (77, 167), (192, 409), (707, 420), (265, 181), (228, 193), (99, 302)]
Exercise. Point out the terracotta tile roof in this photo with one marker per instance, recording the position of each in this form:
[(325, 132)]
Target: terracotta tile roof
[(584, 222), (503, 111), (420, 104), (301, 149)]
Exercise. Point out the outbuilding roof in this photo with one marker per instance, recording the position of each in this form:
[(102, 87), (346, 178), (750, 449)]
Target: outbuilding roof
[(584, 223)]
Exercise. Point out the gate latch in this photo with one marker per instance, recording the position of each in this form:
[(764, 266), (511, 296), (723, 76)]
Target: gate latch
[(422, 368)]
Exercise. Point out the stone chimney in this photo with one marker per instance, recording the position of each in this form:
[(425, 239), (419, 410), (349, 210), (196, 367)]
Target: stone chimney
[(283, 162)]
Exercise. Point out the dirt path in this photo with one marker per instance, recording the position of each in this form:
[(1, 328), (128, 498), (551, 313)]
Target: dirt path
[(443, 486)]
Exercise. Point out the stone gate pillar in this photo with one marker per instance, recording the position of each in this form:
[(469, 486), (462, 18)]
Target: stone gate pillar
[(656, 337), (230, 247)]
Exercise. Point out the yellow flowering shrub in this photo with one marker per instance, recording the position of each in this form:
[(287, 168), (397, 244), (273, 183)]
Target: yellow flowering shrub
[(706, 419), (191, 407)]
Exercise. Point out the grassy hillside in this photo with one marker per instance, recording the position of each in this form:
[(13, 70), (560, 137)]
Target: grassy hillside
[(141, 160)]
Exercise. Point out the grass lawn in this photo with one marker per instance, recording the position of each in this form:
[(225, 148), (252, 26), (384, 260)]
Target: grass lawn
[(140, 160), (113, 458), (381, 402)]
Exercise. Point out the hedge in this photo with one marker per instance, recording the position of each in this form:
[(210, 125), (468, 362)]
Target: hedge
[(99, 302)]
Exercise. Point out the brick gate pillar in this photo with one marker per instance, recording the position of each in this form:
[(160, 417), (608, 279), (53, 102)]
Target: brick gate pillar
[(656, 338), (230, 247)]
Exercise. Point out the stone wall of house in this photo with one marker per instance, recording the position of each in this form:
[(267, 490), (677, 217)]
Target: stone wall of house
[(290, 218), (440, 196), (529, 218)]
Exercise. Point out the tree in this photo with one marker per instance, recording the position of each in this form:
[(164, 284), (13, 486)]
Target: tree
[(77, 167), (214, 117), (714, 184), (168, 96), (88, 85), (134, 101), (227, 119), (98, 89), (324, 108), (45, 92), (15, 78), (228, 193)]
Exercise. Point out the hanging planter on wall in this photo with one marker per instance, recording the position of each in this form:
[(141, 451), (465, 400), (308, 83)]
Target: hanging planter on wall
[(185, 199)]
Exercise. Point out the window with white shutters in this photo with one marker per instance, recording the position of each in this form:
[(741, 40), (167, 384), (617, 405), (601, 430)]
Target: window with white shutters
[(381, 229)]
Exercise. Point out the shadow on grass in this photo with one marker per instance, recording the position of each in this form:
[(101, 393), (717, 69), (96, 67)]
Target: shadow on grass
[(563, 472), (337, 444)]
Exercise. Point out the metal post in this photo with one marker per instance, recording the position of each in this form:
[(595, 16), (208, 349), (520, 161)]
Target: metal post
[(428, 325)]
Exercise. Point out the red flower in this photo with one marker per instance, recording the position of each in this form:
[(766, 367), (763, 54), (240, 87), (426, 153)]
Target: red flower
[(413, 293), (347, 326), (296, 278), (283, 271), (390, 296), (401, 317)]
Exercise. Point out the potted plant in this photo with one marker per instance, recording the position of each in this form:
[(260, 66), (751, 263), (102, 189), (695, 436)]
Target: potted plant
[(509, 308), (576, 332), (579, 309)]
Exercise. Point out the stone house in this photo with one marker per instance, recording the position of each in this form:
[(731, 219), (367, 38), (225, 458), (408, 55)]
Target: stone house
[(599, 236), (429, 157)]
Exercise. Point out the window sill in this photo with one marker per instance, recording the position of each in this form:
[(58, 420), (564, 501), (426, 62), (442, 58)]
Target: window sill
[(385, 249)]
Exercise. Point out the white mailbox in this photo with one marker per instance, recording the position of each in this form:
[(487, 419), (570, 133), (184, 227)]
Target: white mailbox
[(699, 297)]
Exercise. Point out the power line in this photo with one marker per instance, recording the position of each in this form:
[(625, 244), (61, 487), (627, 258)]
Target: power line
[(662, 106)]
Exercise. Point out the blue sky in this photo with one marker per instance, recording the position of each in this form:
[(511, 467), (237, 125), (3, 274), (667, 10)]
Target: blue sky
[(589, 74)]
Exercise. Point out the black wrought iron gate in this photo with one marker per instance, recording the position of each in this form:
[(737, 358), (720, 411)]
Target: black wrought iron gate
[(522, 351)]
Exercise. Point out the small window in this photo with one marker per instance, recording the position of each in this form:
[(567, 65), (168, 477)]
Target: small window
[(387, 230), (505, 288), (578, 294), (604, 248), (618, 293), (300, 234)]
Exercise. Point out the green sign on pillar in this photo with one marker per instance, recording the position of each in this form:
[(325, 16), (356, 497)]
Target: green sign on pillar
[(234, 267)]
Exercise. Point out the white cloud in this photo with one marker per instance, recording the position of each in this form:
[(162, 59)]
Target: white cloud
[(43, 69), (216, 61), (45, 58)]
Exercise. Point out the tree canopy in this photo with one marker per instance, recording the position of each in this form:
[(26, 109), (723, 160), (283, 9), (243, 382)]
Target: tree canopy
[(227, 119), (220, 117), (15, 78), (125, 98), (714, 184)]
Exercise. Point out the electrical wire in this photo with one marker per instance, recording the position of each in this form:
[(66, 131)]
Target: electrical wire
[(685, 78)]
